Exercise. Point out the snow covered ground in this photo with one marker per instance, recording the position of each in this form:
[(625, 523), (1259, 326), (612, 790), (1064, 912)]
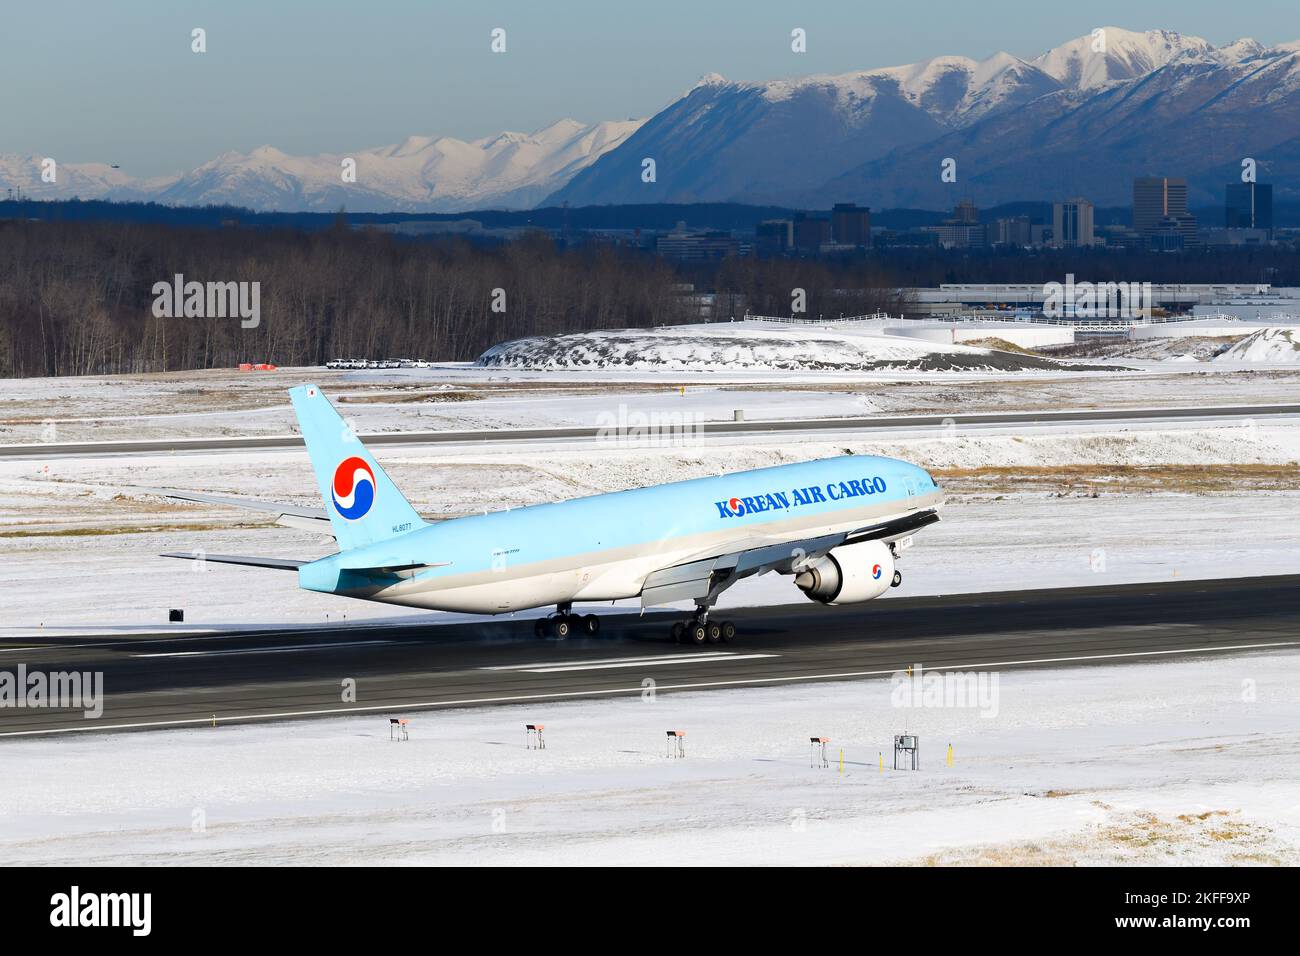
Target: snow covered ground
[(1022, 514), (1182, 761), (1022, 510), (1179, 762), (460, 396)]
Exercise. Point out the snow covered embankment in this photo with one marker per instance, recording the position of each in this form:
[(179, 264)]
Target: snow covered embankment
[(735, 346), (1267, 346)]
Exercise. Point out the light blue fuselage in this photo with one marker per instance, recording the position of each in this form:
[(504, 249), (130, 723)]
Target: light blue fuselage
[(602, 547)]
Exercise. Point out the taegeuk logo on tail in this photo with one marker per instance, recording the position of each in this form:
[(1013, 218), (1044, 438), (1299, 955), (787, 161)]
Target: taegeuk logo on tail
[(354, 488)]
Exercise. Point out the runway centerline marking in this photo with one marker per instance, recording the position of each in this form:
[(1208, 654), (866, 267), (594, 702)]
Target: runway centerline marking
[(646, 662), (542, 667), (283, 649)]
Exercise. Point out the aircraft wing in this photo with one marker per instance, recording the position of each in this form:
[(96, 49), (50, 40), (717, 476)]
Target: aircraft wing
[(293, 516), (711, 575)]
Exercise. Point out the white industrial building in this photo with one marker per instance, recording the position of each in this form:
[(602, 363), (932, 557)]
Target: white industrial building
[(1029, 297)]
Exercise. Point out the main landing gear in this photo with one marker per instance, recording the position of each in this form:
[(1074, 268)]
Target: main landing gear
[(564, 623), (700, 630)]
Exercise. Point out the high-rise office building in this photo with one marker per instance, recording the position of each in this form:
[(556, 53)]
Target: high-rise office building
[(1248, 206), (1011, 231), (850, 224), (774, 235), (964, 229), (1156, 198), (1072, 224), (1174, 232), (682, 243), (811, 232), (965, 213)]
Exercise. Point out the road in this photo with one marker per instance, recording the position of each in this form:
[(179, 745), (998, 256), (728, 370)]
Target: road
[(703, 429), (161, 680)]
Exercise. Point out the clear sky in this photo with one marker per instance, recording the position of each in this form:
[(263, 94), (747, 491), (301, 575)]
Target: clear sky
[(115, 81)]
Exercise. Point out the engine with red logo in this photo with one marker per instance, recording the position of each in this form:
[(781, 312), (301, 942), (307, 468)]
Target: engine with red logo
[(849, 574)]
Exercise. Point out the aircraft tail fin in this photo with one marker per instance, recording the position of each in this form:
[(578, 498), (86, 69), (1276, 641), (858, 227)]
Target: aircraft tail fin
[(363, 504)]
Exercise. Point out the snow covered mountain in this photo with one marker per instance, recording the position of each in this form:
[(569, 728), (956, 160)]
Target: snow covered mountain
[(88, 180), (1081, 65), (1077, 120), (1196, 116), (1081, 119), (779, 141), (422, 174)]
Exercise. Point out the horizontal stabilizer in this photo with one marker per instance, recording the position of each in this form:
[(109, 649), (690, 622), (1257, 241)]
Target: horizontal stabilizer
[(280, 564), (292, 516)]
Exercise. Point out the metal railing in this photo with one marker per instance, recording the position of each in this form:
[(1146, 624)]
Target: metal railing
[(876, 318)]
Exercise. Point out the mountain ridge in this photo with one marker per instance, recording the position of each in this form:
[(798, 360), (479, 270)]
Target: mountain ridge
[(1075, 120), (419, 174), (1046, 127)]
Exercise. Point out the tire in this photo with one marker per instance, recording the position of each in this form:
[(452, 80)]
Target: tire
[(898, 579), (697, 634), (678, 629), (715, 633), (728, 632), (562, 627), (591, 625)]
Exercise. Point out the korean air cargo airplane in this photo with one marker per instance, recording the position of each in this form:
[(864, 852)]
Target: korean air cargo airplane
[(836, 526)]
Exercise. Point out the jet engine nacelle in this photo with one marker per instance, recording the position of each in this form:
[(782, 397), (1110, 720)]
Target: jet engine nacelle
[(849, 574)]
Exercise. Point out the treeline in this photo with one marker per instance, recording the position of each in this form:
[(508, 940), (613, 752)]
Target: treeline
[(77, 298), (856, 285), (650, 216)]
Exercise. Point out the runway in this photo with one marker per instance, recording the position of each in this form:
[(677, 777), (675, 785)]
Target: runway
[(696, 430), (162, 680)]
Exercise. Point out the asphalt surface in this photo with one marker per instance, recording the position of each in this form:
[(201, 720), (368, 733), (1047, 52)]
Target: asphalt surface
[(721, 428), (160, 680)]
